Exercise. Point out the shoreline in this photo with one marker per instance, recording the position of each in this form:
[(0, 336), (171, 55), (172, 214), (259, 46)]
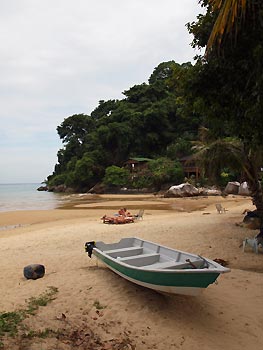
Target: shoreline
[(84, 203), (223, 314)]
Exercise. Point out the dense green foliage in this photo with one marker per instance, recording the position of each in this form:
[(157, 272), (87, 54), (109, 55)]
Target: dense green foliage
[(222, 92), (228, 88), (116, 176), (154, 175), (229, 80), (151, 121)]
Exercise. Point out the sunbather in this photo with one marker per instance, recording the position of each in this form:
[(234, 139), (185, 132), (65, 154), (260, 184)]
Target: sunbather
[(117, 219), (122, 211)]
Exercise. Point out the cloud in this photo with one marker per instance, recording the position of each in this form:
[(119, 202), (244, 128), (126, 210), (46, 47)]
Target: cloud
[(58, 58)]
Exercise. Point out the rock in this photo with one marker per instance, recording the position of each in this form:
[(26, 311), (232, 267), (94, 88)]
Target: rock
[(99, 188), (251, 220), (182, 190), (232, 188), (42, 188), (243, 189), (210, 192), (34, 271), (69, 190), (60, 188)]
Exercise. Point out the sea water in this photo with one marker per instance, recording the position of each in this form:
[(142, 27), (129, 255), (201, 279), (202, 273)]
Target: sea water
[(26, 197)]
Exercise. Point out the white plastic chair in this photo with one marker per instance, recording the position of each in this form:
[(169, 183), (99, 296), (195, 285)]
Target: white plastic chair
[(253, 243), (139, 216), (220, 209)]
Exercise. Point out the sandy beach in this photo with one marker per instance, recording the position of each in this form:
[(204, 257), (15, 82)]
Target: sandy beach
[(227, 315)]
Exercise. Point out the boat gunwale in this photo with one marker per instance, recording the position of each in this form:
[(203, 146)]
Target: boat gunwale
[(217, 267)]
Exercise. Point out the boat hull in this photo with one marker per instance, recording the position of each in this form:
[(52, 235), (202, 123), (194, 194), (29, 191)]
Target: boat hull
[(157, 267), (163, 281), (193, 291)]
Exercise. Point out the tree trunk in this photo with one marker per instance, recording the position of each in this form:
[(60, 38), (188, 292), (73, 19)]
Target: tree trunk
[(254, 185)]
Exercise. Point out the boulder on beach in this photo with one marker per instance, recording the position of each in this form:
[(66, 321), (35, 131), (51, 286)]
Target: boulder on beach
[(232, 187), (243, 189), (182, 190), (210, 192)]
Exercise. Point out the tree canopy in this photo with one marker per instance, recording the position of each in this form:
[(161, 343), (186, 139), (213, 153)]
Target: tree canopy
[(222, 92), (149, 122), (228, 80)]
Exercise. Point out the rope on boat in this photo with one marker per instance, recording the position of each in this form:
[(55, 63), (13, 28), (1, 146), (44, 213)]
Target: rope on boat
[(205, 263), (191, 263)]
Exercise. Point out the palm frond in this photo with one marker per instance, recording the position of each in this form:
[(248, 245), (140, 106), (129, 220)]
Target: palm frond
[(213, 157), (229, 12)]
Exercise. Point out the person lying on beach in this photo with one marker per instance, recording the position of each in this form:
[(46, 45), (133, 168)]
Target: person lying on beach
[(117, 219)]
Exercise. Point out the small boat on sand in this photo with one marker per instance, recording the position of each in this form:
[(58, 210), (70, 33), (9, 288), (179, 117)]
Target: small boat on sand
[(157, 267)]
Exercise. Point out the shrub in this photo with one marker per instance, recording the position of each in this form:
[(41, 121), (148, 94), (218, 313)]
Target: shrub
[(57, 180), (165, 170), (116, 176)]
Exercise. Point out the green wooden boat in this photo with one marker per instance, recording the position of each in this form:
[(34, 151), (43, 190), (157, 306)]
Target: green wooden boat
[(157, 267)]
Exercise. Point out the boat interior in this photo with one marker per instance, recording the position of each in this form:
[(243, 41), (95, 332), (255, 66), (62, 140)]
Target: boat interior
[(149, 256)]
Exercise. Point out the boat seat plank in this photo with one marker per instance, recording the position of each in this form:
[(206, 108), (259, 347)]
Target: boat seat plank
[(140, 260), (141, 256), (121, 250), (124, 252)]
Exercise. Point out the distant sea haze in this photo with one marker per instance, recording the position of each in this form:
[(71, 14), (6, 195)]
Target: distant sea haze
[(25, 196)]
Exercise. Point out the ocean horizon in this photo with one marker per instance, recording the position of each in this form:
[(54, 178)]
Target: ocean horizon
[(25, 196)]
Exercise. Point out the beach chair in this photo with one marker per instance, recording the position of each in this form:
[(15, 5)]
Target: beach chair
[(220, 209), (139, 216), (253, 243)]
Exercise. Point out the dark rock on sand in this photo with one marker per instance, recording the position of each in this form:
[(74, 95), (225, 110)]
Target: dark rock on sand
[(34, 271)]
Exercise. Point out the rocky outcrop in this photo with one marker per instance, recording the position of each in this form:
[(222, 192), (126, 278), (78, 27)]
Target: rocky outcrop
[(99, 188), (237, 188), (232, 187), (61, 189), (42, 188), (182, 190), (210, 192)]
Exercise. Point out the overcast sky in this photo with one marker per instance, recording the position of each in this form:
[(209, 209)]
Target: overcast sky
[(60, 57)]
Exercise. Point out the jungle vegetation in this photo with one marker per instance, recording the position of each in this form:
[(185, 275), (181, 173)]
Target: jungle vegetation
[(221, 92), (151, 121), (228, 85)]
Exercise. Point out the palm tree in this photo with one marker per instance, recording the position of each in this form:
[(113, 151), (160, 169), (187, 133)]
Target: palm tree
[(215, 154), (231, 13)]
